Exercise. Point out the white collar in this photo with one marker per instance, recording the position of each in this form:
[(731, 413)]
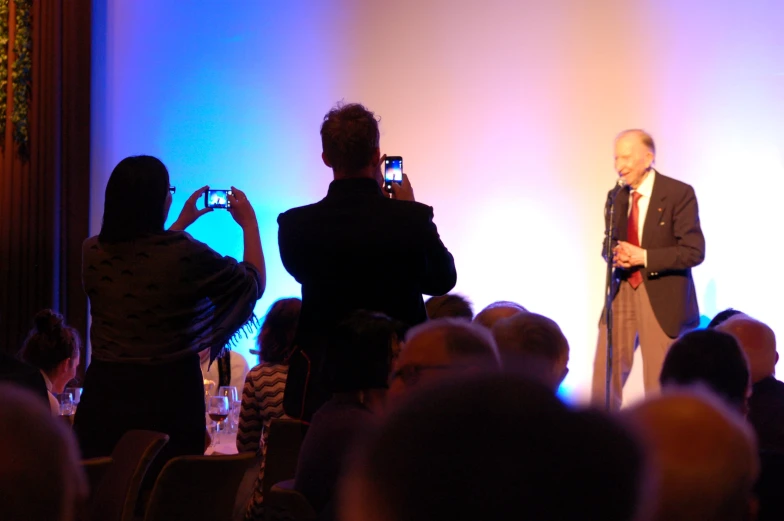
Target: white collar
[(646, 187), (47, 381)]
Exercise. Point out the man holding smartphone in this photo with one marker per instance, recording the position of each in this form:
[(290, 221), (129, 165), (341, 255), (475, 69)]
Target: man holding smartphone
[(361, 247)]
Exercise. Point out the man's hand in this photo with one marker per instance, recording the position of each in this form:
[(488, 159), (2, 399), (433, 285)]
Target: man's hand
[(627, 255), (402, 191), (189, 212)]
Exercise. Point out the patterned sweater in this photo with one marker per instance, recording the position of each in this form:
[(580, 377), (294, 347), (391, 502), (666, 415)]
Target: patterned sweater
[(262, 401)]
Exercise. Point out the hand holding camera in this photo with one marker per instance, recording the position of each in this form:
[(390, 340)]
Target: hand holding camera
[(189, 212), (241, 210)]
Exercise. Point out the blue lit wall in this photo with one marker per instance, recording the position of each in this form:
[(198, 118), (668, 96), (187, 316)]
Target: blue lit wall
[(504, 110)]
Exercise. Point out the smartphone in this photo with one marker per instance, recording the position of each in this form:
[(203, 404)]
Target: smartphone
[(393, 171), (217, 199)]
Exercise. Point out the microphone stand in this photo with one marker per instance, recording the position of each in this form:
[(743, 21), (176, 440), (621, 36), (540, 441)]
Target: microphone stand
[(609, 232)]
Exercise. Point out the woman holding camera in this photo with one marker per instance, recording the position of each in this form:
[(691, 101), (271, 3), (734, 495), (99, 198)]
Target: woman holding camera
[(157, 298)]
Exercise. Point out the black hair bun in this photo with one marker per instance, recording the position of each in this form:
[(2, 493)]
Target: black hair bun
[(47, 321)]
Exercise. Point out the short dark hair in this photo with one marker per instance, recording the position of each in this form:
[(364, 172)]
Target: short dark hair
[(531, 334), (360, 354), (349, 137), (451, 305), (50, 341), (134, 200), (422, 461), (710, 357), (722, 316), (276, 338)]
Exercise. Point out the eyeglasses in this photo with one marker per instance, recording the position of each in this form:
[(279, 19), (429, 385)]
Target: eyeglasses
[(172, 189)]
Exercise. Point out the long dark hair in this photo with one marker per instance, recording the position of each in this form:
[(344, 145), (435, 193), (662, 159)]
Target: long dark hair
[(135, 198), (50, 341), (276, 339)]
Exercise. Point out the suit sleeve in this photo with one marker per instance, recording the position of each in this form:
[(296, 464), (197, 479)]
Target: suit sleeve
[(690, 248), (440, 275)]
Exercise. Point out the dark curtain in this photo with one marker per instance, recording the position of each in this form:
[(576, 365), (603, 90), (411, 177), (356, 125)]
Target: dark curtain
[(44, 193)]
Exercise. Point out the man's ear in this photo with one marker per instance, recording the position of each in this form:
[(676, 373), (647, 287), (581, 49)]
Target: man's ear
[(326, 161), (376, 156)]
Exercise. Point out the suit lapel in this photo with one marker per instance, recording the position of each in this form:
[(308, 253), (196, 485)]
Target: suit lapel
[(622, 215), (655, 209)]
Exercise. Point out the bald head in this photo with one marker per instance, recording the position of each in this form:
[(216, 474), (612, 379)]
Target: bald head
[(440, 347), (536, 336), (497, 311), (757, 340), (40, 473), (704, 454)]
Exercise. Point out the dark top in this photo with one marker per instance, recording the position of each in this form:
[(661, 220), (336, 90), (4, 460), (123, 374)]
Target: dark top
[(675, 244), (17, 372), (356, 249), (329, 439), (766, 413)]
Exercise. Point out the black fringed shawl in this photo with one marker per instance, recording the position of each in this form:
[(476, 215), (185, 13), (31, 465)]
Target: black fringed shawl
[(159, 298)]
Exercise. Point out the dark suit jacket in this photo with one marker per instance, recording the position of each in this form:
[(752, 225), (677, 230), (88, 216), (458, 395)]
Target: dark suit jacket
[(356, 249), (674, 241)]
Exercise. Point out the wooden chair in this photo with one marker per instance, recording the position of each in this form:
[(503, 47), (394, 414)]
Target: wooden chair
[(284, 503), (198, 488), (283, 445), (94, 469), (115, 497)]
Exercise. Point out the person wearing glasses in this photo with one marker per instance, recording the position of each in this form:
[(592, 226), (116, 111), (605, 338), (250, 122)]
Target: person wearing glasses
[(157, 298)]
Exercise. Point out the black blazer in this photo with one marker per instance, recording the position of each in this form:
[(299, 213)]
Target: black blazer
[(674, 241), (357, 249)]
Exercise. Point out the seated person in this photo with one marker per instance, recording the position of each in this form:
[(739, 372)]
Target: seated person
[(53, 348), (535, 336), (703, 456), (766, 405), (712, 358), (496, 311), (440, 348), (262, 396), (450, 305), (479, 446), (362, 346), (41, 478)]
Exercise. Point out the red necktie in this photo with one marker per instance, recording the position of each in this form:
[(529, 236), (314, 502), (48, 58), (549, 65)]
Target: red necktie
[(635, 279)]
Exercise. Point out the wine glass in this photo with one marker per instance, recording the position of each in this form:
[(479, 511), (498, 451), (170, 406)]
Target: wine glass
[(230, 393), (218, 410)]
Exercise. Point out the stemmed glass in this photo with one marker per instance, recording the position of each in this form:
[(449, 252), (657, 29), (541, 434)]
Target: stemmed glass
[(231, 393), (218, 410)]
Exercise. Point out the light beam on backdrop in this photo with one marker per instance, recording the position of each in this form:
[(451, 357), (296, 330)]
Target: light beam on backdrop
[(504, 111)]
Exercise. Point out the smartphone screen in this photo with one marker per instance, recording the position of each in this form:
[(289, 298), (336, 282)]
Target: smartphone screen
[(393, 170), (217, 198)]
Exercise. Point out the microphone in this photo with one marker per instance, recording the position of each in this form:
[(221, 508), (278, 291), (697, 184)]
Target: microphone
[(620, 185)]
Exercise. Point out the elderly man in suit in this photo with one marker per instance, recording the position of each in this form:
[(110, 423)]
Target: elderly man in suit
[(658, 241), (358, 248)]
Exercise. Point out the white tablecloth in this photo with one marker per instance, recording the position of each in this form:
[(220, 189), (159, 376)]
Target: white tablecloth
[(227, 445)]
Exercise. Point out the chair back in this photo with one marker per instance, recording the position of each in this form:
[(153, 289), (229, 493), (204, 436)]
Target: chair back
[(198, 488), (283, 445), (283, 503), (115, 496), (94, 469)]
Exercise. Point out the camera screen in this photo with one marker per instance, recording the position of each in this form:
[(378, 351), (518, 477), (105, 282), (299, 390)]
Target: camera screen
[(393, 169), (217, 199)]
